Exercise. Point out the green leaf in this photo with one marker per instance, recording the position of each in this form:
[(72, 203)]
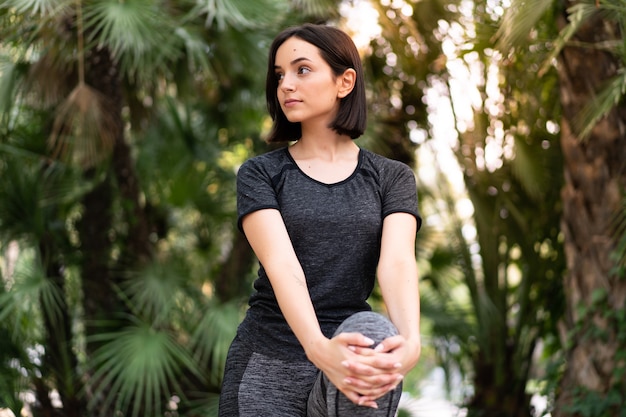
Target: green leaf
[(213, 335), (154, 291), (527, 169), (578, 14), (196, 50), (21, 214), (42, 7), (518, 22), (242, 13), (598, 295), (139, 367), (31, 293), (138, 32), (8, 84), (602, 104)]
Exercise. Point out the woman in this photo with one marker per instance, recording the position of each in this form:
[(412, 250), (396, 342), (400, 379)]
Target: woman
[(324, 218)]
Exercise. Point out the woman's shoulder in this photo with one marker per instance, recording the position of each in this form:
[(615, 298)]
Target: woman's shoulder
[(382, 163), (269, 161)]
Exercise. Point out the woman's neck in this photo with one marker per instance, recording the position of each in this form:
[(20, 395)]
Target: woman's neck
[(324, 144), (325, 159)]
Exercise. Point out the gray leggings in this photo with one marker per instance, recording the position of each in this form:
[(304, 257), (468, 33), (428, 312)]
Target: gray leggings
[(257, 385)]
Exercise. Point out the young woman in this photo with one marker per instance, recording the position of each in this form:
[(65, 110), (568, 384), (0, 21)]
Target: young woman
[(325, 219)]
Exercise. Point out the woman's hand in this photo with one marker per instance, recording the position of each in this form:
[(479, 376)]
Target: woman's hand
[(360, 372), (393, 356), (405, 353)]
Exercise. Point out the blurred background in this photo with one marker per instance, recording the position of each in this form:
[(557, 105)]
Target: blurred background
[(123, 123)]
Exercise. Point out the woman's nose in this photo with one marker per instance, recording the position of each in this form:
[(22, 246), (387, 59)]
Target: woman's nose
[(287, 83)]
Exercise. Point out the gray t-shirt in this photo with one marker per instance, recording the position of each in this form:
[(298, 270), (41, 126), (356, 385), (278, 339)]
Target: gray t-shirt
[(335, 230)]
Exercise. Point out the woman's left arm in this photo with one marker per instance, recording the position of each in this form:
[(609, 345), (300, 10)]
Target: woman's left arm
[(398, 280), (397, 277)]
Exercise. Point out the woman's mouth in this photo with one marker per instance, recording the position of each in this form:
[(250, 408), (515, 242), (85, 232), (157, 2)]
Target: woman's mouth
[(291, 102)]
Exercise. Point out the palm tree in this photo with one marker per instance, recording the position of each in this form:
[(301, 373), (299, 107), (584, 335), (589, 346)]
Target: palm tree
[(122, 127), (590, 64), (506, 312)]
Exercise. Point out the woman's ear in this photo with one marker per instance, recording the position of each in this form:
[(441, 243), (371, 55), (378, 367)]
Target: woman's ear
[(346, 82)]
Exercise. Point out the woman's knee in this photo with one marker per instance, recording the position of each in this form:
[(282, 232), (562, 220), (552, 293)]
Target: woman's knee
[(371, 324)]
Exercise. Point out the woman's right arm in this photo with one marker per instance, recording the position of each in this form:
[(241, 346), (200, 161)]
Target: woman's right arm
[(268, 237)]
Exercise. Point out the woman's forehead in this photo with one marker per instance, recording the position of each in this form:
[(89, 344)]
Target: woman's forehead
[(296, 48)]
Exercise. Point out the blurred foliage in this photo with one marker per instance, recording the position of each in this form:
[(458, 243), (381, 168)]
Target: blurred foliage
[(122, 128), (122, 125)]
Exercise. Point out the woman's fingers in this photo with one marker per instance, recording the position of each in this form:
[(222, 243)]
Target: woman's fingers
[(372, 364), (362, 400), (356, 340), (375, 385), (367, 397), (390, 344), (372, 370)]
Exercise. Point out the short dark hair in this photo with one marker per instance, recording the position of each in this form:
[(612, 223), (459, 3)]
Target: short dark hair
[(340, 53)]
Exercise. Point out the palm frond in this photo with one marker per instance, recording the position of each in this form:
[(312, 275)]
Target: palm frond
[(518, 22), (34, 193), (30, 293), (618, 224), (241, 13), (12, 383), (49, 80), (196, 50), (9, 78), (213, 335), (449, 317), (37, 67), (611, 11), (578, 14), (19, 330), (206, 404), (142, 366), (444, 273), (21, 215), (527, 168), (84, 130), (154, 291), (602, 104), (137, 32), (64, 186), (38, 7), (315, 7)]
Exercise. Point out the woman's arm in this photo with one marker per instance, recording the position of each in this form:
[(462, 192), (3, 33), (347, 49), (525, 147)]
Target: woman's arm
[(397, 277), (398, 280), (268, 237)]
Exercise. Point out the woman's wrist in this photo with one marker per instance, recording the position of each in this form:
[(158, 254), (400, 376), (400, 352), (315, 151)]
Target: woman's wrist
[(414, 349), (314, 347)]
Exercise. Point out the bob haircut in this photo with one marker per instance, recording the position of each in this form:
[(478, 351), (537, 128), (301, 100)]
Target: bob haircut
[(340, 53)]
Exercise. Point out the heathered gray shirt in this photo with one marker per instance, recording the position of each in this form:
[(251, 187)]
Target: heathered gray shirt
[(335, 230)]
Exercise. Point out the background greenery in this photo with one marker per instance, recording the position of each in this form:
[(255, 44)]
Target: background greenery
[(122, 125)]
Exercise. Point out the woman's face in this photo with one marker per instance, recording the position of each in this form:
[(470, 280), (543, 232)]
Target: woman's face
[(308, 91)]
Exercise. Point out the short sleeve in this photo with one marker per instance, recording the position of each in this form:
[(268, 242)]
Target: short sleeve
[(400, 192), (254, 190)]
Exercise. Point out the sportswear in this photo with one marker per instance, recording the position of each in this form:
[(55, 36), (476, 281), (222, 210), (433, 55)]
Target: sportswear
[(336, 233)]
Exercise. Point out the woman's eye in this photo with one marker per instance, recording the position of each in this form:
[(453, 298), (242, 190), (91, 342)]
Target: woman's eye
[(304, 70), (279, 76)]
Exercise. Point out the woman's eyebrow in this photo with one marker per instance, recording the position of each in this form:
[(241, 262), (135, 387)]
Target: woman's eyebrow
[(295, 61)]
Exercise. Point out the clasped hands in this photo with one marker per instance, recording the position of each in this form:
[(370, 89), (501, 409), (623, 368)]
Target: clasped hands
[(364, 372)]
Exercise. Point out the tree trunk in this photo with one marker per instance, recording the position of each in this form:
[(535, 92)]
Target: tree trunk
[(100, 276), (231, 282), (103, 74), (494, 398), (595, 178), (59, 363)]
